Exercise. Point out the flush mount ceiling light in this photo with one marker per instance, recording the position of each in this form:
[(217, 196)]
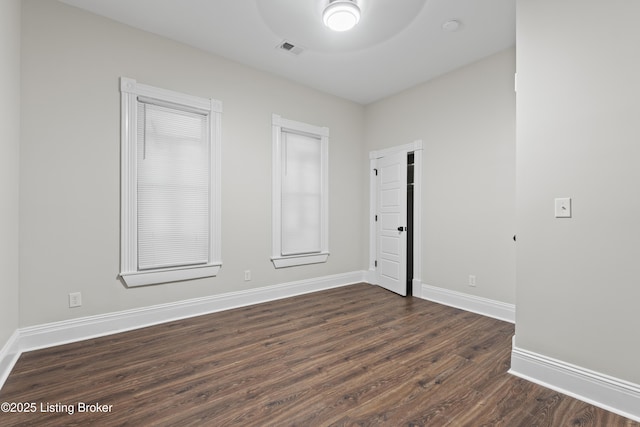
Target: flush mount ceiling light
[(341, 15)]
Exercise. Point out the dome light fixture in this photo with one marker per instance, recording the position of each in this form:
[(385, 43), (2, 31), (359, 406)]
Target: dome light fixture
[(341, 15)]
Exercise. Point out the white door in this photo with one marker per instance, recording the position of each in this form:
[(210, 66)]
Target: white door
[(391, 233)]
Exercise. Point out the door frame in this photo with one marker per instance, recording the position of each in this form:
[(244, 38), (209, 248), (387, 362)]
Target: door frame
[(416, 147)]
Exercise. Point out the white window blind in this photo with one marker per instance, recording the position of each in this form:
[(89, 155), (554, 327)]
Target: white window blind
[(173, 187), (301, 194), (170, 185)]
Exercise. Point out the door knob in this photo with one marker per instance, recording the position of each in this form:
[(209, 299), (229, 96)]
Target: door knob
[(401, 228)]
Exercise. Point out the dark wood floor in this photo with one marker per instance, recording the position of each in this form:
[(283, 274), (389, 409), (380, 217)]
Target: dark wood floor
[(357, 355)]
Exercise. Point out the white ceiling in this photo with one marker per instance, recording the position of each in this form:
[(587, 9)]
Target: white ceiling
[(396, 45)]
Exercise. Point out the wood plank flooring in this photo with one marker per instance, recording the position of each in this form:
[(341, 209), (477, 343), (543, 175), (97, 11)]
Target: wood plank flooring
[(352, 356)]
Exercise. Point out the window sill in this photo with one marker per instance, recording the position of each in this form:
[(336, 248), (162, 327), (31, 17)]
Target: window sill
[(169, 275), (291, 261)]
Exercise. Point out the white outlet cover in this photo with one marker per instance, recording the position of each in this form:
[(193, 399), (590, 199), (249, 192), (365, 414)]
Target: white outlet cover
[(75, 299), (563, 207)]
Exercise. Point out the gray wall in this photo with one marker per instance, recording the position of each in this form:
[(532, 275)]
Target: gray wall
[(9, 160), (578, 136), (466, 120), (69, 173)]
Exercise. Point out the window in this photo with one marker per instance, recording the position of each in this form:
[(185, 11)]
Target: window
[(170, 209), (300, 193)]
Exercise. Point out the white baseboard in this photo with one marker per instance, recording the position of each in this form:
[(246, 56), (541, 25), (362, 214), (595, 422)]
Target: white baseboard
[(67, 331), (612, 394), (9, 356), (486, 307), (600, 390)]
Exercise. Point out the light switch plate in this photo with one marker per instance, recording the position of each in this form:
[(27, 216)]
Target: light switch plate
[(563, 207)]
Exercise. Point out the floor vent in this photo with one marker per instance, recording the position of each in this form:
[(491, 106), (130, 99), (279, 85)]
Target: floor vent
[(289, 47)]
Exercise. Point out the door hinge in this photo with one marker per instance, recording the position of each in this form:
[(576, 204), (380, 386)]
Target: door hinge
[(377, 219), (375, 263)]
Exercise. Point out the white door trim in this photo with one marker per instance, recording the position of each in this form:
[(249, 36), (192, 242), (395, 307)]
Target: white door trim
[(416, 147)]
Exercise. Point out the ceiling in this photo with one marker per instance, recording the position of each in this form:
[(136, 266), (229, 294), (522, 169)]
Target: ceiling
[(396, 45)]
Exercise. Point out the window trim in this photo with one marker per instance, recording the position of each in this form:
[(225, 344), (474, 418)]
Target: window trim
[(130, 91), (279, 125)]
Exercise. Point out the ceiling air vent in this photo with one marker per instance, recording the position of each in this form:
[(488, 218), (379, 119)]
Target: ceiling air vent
[(289, 47)]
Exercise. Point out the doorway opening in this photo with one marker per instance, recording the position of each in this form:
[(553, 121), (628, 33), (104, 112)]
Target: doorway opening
[(395, 204), (410, 182)]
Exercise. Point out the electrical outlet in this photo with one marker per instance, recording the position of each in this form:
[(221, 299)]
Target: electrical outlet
[(563, 207), (75, 299), (472, 280), (247, 275)]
